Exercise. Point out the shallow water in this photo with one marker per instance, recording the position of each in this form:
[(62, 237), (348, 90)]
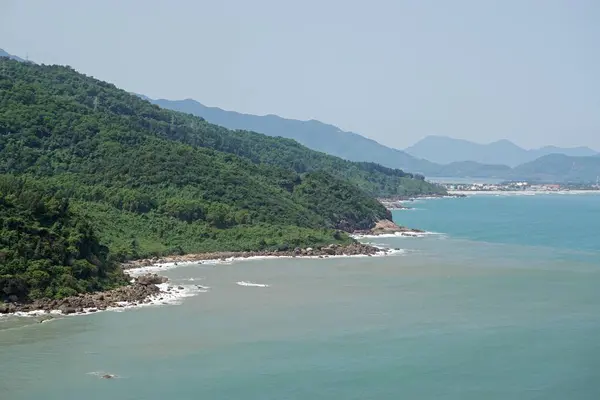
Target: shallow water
[(458, 316)]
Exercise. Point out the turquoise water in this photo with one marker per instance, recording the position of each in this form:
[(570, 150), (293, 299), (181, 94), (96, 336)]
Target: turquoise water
[(506, 311), (557, 222)]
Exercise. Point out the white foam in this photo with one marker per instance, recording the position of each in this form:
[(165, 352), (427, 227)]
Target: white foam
[(158, 267), (396, 235), (169, 295), (203, 287), (137, 271), (103, 375), (252, 284)]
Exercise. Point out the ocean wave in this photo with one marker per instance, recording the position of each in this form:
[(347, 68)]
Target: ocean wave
[(203, 287), (252, 284)]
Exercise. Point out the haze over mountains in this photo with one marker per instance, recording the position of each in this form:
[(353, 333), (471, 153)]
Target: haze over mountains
[(433, 156), (313, 134), (5, 54), (449, 157), (444, 150)]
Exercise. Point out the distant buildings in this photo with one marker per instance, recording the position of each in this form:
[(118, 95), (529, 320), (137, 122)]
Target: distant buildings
[(507, 187)]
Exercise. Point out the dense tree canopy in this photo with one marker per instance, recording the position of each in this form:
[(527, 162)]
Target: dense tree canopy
[(46, 250)]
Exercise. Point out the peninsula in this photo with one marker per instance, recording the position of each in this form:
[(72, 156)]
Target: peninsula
[(92, 177)]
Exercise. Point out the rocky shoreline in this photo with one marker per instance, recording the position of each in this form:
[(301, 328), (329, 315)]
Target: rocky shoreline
[(141, 291), (144, 288), (353, 249), (398, 202)]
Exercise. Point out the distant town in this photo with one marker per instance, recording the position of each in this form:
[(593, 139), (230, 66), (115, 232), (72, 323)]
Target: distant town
[(518, 186)]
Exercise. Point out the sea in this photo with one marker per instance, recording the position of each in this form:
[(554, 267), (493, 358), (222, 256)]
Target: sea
[(500, 300)]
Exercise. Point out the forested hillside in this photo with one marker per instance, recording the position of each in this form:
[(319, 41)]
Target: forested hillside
[(148, 181), (46, 250), (92, 175)]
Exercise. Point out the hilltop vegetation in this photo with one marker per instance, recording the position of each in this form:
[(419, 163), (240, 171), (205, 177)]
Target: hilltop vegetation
[(146, 182)]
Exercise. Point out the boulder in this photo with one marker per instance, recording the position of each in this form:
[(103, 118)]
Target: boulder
[(65, 309), (329, 250), (151, 279)]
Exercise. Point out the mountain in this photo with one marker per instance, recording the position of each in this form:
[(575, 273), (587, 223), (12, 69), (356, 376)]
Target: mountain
[(313, 134), (5, 54), (84, 164), (560, 167), (444, 150), (452, 157)]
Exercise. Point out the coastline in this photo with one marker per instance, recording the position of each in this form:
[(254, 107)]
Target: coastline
[(397, 202), (148, 289), (144, 290), (464, 193), (352, 250)]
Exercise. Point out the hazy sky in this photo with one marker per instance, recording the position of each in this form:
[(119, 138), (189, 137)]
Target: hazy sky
[(392, 70)]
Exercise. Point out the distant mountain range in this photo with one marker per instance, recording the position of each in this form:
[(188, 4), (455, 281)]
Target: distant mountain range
[(433, 156), (352, 146), (444, 150), (566, 168), (313, 134)]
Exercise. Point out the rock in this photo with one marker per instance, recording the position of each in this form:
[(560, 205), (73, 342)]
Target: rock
[(4, 308), (180, 287), (65, 309), (151, 279), (329, 250), (13, 298)]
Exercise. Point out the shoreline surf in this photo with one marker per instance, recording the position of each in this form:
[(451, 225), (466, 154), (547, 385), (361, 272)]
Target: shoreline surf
[(171, 294)]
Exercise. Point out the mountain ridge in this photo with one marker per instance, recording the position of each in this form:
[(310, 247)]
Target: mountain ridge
[(3, 53), (312, 133), (445, 149), (330, 139), (355, 147)]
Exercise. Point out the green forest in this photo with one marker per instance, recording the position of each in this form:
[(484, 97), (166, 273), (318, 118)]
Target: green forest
[(91, 175)]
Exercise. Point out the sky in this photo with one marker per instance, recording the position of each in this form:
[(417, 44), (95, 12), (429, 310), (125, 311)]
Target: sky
[(394, 71)]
